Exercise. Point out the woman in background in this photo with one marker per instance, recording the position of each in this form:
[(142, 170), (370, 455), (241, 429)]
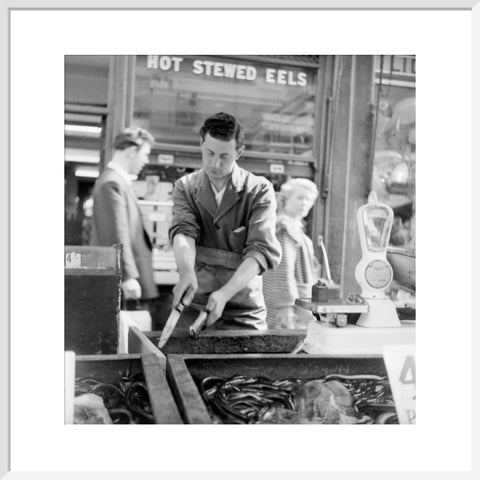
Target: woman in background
[(299, 269)]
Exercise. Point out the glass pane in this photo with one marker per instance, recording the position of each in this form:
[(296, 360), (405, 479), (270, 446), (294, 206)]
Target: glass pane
[(376, 228), (275, 104), (86, 79), (394, 169)]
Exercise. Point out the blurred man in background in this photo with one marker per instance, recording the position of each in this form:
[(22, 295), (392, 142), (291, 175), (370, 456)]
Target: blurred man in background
[(117, 217)]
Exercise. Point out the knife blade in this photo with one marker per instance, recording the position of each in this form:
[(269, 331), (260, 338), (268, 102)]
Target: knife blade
[(198, 324), (170, 325)]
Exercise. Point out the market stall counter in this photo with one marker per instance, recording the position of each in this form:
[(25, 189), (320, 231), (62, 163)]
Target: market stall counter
[(218, 341)]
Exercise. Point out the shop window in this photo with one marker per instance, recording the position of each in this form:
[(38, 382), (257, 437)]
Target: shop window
[(395, 154), (86, 97), (275, 103)]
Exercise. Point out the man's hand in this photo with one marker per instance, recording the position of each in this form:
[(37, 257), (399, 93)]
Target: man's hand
[(185, 289), (215, 306), (131, 289)]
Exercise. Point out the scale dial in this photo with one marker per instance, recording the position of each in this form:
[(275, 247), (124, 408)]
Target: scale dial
[(378, 274)]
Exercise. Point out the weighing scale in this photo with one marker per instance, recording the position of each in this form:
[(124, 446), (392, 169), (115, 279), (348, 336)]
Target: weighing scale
[(378, 324)]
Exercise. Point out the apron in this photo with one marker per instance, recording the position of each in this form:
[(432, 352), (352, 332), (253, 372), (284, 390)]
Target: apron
[(214, 268)]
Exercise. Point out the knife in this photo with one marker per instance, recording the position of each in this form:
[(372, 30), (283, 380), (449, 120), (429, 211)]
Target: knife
[(171, 323), (198, 324)]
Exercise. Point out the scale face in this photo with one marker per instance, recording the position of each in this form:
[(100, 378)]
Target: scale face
[(378, 275)]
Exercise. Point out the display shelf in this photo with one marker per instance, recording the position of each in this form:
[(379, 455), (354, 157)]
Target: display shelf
[(157, 218)]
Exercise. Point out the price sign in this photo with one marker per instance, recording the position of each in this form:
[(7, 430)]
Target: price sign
[(164, 159), (69, 387), (277, 168), (400, 363)]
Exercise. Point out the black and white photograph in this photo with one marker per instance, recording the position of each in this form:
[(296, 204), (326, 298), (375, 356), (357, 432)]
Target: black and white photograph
[(214, 218), (223, 206)]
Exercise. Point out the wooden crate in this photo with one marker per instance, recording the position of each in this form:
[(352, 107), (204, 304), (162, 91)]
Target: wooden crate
[(184, 372), (220, 342), (92, 299), (107, 368)]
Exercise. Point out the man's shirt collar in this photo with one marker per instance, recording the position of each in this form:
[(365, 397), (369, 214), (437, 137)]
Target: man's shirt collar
[(126, 176)]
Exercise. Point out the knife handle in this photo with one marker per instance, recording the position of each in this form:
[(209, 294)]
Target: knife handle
[(198, 324), (179, 308)]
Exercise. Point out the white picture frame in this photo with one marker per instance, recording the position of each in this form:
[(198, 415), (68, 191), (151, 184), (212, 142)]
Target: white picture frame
[(25, 255)]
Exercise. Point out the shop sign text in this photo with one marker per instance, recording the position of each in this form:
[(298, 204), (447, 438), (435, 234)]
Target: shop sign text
[(238, 71)]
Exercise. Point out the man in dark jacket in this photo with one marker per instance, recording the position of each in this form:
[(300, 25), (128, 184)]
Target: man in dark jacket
[(116, 213)]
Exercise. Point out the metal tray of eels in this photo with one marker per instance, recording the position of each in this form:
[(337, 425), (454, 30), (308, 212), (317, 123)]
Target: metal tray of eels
[(123, 389), (333, 399), (248, 389)]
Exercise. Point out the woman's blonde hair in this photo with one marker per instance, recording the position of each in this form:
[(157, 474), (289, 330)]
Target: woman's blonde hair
[(291, 185)]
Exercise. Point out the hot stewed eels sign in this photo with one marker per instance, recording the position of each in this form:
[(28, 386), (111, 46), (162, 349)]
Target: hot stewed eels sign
[(233, 70)]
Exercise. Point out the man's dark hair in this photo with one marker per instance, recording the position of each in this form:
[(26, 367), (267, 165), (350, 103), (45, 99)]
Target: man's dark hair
[(132, 136), (223, 126)]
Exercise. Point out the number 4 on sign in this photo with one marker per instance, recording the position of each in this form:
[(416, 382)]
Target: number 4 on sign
[(400, 363), (73, 260)]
